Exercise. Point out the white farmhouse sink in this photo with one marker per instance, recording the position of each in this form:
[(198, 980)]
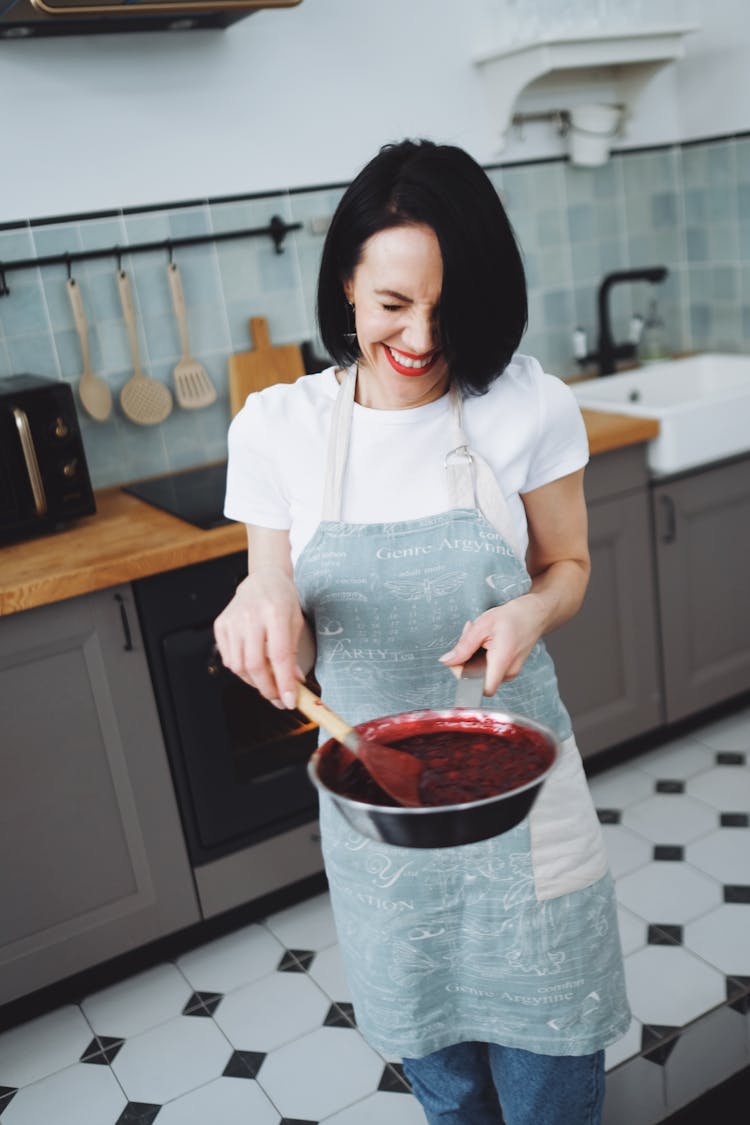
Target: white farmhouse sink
[(702, 404)]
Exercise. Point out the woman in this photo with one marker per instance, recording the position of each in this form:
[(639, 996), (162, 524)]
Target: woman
[(419, 501)]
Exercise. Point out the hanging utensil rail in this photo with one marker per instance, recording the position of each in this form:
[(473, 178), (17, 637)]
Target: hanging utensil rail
[(277, 229)]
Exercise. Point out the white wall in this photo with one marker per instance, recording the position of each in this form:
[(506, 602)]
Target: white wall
[(299, 96)]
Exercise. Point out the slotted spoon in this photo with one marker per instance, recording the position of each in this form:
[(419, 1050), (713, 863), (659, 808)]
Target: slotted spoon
[(93, 392), (145, 400), (192, 386), (395, 772)]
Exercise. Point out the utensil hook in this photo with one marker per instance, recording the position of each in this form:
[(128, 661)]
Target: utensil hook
[(170, 248), (67, 266), (4, 290), (278, 233)]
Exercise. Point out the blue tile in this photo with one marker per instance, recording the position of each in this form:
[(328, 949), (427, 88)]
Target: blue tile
[(64, 239), (148, 227), (550, 224), (664, 209), (742, 158), (701, 319), (700, 283), (696, 240), (721, 203), (554, 266), (189, 222), (24, 311), (16, 245), (609, 219), (605, 181), (101, 234), (725, 282), (722, 242), (240, 275), (696, 205), (743, 200), (34, 354), (581, 222), (586, 261), (558, 309), (532, 270), (5, 364)]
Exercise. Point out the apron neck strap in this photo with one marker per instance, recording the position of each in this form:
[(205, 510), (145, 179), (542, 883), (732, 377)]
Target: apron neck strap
[(338, 447)]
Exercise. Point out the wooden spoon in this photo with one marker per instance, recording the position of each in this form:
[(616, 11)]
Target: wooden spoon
[(93, 392), (396, 772)]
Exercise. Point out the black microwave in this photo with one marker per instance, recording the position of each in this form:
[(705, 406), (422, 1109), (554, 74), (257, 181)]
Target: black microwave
[(44, 478)]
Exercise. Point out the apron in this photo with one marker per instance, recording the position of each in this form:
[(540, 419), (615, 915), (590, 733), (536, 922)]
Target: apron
[(512, 940)]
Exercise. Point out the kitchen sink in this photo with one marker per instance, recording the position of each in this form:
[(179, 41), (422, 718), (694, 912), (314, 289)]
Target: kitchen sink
[(702, 403)]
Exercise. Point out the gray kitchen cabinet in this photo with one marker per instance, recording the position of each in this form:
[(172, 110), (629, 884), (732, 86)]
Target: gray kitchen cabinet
[(607, 656), (702, 535), (94, 862)]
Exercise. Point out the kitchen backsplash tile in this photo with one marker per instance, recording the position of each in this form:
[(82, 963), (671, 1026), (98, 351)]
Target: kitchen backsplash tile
[(687, 207)]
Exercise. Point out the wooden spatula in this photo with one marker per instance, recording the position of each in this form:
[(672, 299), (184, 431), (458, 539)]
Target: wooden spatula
[(395, 772), (192, 385)]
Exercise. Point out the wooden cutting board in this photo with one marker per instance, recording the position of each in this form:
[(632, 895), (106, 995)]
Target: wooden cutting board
[(262, 366)]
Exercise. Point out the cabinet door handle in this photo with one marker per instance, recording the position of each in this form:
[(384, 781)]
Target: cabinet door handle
[(128, 646), (669, 519)]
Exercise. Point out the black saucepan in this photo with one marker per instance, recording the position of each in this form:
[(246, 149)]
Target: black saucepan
[(444, 825)]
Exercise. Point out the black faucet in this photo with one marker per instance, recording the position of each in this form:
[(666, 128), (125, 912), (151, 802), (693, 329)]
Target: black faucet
[(608, 351)]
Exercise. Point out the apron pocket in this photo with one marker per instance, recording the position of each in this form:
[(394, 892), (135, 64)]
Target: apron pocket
[(567, 846)]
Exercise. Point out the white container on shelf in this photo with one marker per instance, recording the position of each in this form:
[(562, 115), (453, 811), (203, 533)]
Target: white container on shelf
[(592, 129)]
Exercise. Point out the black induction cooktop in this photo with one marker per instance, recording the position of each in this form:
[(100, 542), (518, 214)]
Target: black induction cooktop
[(194, 495)]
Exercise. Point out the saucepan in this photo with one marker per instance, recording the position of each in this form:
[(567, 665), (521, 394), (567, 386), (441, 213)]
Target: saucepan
[(518, 750)]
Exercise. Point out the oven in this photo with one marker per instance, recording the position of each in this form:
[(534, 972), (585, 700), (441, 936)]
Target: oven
[(239, 765)]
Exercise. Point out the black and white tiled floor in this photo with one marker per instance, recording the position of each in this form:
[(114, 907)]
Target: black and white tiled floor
[(256, 1028)]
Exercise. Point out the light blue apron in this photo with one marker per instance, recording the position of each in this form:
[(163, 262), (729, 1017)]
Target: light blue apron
[(512, 940)]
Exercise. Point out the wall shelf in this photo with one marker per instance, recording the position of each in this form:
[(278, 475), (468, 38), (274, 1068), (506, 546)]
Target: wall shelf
[(615, 66)]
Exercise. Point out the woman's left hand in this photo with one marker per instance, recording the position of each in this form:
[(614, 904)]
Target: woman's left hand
[(508, 633)]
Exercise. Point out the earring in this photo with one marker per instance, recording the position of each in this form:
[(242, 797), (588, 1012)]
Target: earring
[(351, 335)]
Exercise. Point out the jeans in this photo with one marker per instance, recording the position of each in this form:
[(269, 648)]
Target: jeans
[(465, 1085)]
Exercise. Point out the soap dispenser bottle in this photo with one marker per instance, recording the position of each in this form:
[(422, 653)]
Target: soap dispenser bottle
[(653, 344)]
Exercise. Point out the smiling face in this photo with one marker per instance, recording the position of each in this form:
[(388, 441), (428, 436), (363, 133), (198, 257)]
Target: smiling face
[(395, 290)]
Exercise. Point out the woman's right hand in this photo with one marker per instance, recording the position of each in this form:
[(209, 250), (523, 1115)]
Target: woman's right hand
[(260, 633)]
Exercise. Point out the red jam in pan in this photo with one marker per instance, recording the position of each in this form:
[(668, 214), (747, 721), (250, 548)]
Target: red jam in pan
[(459, 765)]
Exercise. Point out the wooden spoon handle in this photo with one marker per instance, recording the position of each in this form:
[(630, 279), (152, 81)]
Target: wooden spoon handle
[(76, 304), (314, 709)]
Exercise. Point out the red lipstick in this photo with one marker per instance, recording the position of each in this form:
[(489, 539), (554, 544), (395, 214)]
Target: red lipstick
[(403, 370)]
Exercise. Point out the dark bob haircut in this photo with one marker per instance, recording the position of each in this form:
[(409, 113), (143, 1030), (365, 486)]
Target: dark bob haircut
[(483, 306)]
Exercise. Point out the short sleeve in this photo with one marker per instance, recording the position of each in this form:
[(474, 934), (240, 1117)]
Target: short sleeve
[(255, 492), (561, 445)]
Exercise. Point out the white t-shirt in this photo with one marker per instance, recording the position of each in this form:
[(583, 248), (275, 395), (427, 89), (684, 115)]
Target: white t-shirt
[(528, 427)]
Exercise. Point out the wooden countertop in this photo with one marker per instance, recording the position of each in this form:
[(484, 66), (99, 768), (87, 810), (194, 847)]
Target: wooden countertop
[(613, 431), (128, 539)]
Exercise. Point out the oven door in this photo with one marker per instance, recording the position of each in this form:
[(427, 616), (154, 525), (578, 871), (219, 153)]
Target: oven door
[(240, 762)]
